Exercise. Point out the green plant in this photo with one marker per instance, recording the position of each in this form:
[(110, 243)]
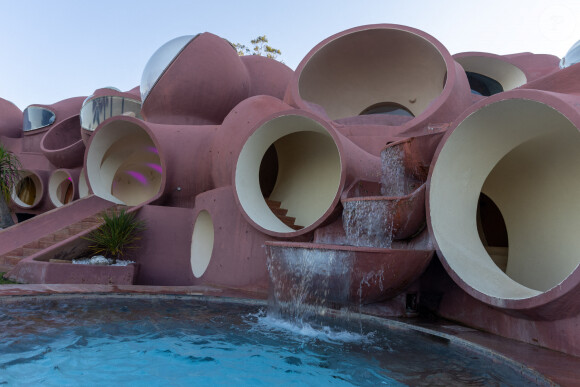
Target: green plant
[(4, 281), (117, 235), (9, 177), (259, 47)]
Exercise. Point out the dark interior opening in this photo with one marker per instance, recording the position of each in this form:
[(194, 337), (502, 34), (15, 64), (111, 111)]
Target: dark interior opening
[(26, 190), (66, 191), (492, 224), (268, 171), (483, 85), (22, 216), (387, 108), (492, 231)]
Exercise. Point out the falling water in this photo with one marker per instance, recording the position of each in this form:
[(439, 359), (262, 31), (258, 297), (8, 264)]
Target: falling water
[(369, 223), (307, 281), (393, 172)]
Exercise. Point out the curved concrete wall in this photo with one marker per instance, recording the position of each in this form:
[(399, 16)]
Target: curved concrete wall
[(62, 145), (522, 152), (29, 191), (123, 163), (83, 187), (62, 186), (492, 66), (309, 171), (357, 70), (313, 164)]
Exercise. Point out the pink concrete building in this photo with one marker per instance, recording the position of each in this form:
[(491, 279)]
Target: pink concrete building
[(382, 171)]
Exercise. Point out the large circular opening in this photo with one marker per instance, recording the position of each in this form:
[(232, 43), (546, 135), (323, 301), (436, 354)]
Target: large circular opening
[(123, 164), (523, 156), (490, 75), (288, 173), (201, 243), (358, 70), (27, 193), (60, 188)]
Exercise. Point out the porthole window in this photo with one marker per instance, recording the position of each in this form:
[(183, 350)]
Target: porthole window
[(97, 110), (36, 117)]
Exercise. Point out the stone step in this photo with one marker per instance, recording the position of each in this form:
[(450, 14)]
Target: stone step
[(275, 207), (28, 251), (273, 203), (16, 252), (61, 234), (10, 260), (279, 211)]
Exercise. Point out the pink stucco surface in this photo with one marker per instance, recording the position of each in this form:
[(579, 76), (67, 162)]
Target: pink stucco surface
[(200, 115)]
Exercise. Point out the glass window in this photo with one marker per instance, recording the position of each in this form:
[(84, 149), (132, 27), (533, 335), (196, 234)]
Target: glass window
[(97, 110), (36, 117), (483, 85), (572, 56), (160, 60)]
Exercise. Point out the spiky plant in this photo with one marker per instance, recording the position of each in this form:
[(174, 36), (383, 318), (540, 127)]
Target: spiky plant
[(9, 177), (117, 235)]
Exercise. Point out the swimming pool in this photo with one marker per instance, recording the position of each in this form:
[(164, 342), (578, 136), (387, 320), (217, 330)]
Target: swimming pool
[(184, 341)]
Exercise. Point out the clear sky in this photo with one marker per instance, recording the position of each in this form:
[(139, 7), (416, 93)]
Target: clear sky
[(52, 50)]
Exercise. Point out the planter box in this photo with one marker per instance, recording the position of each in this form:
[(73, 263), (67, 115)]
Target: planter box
[(38, 268)]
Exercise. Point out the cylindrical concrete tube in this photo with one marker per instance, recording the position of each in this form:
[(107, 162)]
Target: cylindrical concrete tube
[(521, 150), (38, 119), (296, 165), (380, 69), (62, 186), (492, 66), (62, 145), (132, 162), (28, 193)]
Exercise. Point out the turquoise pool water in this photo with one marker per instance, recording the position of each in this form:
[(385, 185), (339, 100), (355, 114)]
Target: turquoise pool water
[(134, 341)]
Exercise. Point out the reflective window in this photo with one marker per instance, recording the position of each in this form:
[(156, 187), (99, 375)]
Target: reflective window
[(36, 117), (387, 108), (160, 60), (572, 56), (97, 110), (483, 85)]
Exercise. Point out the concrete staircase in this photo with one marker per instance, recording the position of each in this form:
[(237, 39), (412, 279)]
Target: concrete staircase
[(10, 259), (275, 207)]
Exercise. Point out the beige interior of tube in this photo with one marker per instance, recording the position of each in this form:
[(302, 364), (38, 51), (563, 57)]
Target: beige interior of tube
[(83, 187), (123, 165), (60, 188), (364, 68), (525, 156), (508, 75), (309, 172), (201, 243), (28, 191)]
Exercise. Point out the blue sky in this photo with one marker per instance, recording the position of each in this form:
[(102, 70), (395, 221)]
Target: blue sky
[(52, 50)]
